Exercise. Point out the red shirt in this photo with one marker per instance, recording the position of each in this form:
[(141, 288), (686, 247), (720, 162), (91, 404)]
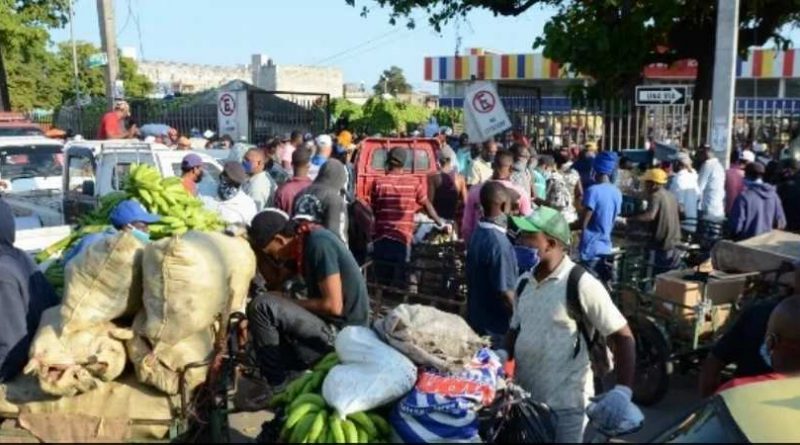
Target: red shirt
[(752, 379), (284, 196), (110, 126), (395, 199), (189, 185)]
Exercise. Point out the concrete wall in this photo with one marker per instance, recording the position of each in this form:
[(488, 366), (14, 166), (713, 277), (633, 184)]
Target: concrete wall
[(301, 79), (187, 77)]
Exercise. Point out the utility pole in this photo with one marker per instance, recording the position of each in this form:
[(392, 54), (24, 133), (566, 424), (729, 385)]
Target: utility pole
[(5, 100), (724, 79), (108, 37), (75, 79)]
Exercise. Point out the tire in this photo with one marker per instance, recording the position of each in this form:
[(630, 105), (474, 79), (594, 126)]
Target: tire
[(653, 366)]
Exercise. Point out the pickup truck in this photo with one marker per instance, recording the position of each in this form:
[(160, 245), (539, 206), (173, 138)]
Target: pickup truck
[(84, 172), (371, 161)]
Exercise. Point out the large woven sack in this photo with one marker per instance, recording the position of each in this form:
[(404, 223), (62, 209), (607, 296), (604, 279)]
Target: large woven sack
[(102, 415), (67, 364), (161, 366), (190, 280), (103, 282)]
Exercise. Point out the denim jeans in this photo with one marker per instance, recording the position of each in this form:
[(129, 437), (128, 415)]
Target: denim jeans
[(390, 258), (570, 425), (285, 336)]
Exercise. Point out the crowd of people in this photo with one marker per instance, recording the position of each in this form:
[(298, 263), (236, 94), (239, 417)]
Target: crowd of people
[(537, 228)]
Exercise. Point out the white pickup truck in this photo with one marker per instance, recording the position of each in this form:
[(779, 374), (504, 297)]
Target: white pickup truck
[(67, 181)]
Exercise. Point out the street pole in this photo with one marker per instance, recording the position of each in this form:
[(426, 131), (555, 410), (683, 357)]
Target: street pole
[(722, 95), (108, 38), (76, 82), (5, 99)]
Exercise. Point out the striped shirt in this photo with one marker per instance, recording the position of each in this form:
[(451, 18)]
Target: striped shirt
[(395, 200)]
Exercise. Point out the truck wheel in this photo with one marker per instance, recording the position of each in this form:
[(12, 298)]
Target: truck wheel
[(653, 366)]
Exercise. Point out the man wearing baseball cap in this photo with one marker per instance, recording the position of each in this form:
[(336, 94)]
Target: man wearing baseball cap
[(191, 172), (551, 348), (734, 178), (324, 147), (602, 204), (128, 215), (664, 218), (233, 206)]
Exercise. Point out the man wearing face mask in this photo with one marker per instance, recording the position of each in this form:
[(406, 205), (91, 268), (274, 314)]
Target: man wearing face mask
[(781, 347), (550, 347), (491, 267), (292, 334), (259, 186), (128, 215), (233, 206), (324, 146), (521, 176), (757, 209), (191, 172), (481, 167)]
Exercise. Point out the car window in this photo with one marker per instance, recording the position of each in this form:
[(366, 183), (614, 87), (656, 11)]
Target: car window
[(30, 161), (209, 184), (21, 131), (79, 170), (710, 423), (421, 159)]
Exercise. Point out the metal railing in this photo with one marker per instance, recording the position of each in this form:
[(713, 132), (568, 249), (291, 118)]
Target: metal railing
[(554, 122)]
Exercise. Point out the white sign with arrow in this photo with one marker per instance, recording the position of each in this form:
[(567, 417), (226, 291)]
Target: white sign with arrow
[(661, 95)]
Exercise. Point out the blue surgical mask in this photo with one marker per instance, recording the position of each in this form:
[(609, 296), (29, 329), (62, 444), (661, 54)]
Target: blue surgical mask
[(140, 235), (247, 166), (765, 355)]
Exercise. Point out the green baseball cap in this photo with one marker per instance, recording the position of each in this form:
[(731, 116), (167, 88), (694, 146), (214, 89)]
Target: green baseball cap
[(546, 220)]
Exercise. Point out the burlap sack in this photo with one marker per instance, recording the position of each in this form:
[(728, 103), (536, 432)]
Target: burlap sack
[(190, 280), (103, 282)]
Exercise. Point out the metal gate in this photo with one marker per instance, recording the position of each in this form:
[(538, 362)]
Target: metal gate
[(275, 113)]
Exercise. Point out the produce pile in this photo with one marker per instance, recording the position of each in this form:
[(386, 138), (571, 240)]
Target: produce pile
[(309, 419), (179, 210)]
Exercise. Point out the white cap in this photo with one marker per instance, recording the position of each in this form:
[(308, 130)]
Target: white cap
[(748, 156), (208, 134), (324, 140)]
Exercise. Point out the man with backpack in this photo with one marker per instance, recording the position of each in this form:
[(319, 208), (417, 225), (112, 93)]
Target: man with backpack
[(562, 320)]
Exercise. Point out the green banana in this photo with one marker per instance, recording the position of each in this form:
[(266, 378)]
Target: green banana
[(314, 398), (363, 437), (300, 432), (327, 362), (350, 431), (298, 413), (337, 431), (364, 422), (317, 427), (384, 430)]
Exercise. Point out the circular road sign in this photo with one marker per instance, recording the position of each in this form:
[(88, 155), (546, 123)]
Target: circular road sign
[(227, 104), (484, 101)]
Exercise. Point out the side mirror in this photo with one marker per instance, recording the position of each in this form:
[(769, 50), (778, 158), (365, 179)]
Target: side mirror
[(88, 187)]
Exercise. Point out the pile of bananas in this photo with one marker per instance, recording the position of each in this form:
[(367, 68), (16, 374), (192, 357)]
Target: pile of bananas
[(179, 210), (309, 419)]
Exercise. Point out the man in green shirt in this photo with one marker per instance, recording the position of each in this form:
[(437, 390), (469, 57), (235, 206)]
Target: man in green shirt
[(292, 334)]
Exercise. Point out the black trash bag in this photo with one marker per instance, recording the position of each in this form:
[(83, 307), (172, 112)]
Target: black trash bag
[(516, 418)]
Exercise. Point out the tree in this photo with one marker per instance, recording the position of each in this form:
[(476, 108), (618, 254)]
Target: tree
[(24, 68), (392, 81), (613, 40)]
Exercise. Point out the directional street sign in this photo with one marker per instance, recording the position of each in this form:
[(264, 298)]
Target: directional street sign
[(661, 95)]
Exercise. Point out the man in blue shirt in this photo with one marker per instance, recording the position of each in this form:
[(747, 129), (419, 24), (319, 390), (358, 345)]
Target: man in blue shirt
[(491, 267), (602, 204)]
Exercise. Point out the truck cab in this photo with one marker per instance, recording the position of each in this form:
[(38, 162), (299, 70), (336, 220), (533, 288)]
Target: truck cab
[(93, 169), (371, 161)]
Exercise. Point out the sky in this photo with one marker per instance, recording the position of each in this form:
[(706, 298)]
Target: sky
[(298, 32)]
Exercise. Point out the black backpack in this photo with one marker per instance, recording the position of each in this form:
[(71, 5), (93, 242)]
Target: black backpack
[(598, 349)]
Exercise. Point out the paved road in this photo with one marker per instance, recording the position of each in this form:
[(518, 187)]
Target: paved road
[(680, 399)]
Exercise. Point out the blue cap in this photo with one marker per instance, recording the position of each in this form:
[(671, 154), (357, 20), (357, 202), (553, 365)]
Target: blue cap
[(130, 211), (605, 163), (191, 161)]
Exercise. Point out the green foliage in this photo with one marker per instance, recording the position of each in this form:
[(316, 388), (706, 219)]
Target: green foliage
[(379, 115), (449, 117), (392, 81), (344, 109)]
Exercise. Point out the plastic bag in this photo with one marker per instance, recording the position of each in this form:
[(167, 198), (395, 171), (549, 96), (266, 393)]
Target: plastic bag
[(372, 373), (516, 418)]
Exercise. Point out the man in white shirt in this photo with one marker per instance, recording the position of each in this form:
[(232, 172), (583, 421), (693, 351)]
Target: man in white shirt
[(684, 187), (481, 168), (711, 184), (551, 351), (233, 206), (260, 186)]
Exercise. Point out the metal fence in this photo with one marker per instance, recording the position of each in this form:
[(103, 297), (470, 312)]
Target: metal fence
[(274, 113), (620, 125)]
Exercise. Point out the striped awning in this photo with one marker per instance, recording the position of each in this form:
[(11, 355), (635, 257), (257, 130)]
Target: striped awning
[(760, 64)]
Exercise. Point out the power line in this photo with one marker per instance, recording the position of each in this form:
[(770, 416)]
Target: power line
[(353, 48)]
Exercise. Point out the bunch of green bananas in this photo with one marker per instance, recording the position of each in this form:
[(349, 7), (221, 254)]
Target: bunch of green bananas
[(179, 210), (55, 276), (310, 420)]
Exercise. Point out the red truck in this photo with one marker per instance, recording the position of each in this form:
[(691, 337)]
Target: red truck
[(371, 161)]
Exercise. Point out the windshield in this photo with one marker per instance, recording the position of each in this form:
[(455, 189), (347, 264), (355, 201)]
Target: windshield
[(209, 184), (30, 161), (21, 131)]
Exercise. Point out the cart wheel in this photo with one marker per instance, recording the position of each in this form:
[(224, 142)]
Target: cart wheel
[(652, 362)]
